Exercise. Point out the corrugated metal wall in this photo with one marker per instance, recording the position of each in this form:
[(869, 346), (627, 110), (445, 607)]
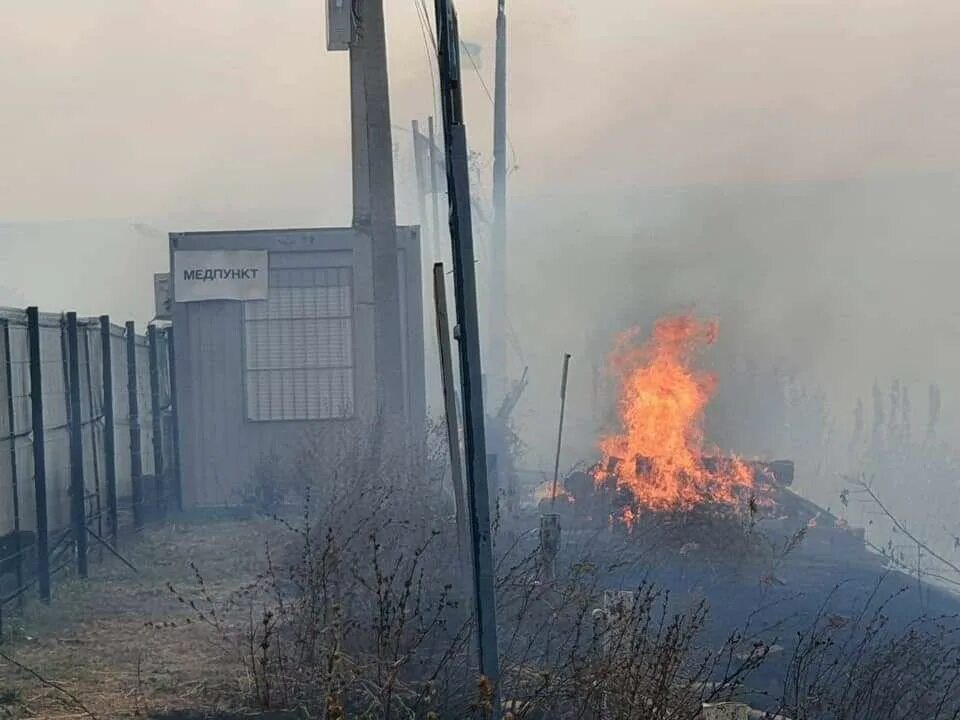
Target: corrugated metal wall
[(248, 394)]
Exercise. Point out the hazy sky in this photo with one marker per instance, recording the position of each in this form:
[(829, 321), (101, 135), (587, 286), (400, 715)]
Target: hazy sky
[(229, 113), (149, 107)]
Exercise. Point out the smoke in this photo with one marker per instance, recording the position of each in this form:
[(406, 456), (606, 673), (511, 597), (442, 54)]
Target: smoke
[(789, 168)]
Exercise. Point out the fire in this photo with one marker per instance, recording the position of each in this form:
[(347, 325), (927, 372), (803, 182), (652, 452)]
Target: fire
[(545, 490), (658, 454)]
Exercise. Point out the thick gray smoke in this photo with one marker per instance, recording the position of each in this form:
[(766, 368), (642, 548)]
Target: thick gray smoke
[(787, 167)]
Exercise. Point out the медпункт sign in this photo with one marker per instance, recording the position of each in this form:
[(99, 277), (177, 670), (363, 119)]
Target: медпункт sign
[(200, 275)]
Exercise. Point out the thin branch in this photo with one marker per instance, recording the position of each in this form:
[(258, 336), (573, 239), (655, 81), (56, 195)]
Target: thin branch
[(862, 485), (49, 683)]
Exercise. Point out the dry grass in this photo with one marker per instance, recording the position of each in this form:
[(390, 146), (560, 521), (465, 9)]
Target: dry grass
[(124, 644)]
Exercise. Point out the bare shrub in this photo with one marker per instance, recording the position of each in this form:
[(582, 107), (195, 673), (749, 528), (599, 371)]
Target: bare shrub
[(269, 485), (360, 613), (363, 612), (867, 666)]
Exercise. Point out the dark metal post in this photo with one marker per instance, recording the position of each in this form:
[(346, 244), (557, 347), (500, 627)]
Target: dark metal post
[(94, 425), (434, 186), (39, 459), (465, 286), (14, 475), (75, 419), (156, 415), (450, 411), (563, 405), (175, 422), (136, 461), (109, 427)]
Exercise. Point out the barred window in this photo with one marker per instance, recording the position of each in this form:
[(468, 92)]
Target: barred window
[(298, 346)]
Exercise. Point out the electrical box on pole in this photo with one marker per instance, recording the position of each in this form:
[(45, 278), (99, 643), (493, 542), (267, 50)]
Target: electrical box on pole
[(339, 24)]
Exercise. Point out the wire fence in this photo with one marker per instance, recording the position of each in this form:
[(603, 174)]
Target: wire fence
[(88, 444)]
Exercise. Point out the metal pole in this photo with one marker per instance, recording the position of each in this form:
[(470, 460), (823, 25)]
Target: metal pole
[(434, 187), (563, 404), (94, 422), (374, 205), (175, 422), (450, 410), (39, 456), (109, 427), (156, 415), (75, 418), (12, 437), (498, 262), (136, 460), (465, 290), (418, 153)]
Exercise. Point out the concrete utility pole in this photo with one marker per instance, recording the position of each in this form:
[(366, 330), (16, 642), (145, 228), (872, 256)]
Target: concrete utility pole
[(419, 160), (435, 188), (374, 205), (468, 335), (498, 264)]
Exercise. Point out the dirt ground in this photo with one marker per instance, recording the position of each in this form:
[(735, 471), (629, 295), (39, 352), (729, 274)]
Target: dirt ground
[(125, 645)]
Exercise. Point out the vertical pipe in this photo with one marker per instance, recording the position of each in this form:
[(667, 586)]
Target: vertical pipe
[(471, 372), (75, 419), (39, 456), (156, 416), (175, 422), (434, 187), (109, 428), (12, 422), (136, 461)]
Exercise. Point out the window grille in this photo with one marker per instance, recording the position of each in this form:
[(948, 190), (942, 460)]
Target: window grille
[(298, 346)]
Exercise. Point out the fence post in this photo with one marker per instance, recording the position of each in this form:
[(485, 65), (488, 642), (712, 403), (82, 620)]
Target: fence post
[(78, 498), (109, 427), (156, 413), (175, 422), (15, 480), (39, 459), (94, 425), (136, 462)]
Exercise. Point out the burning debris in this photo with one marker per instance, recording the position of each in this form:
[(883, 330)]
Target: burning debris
[(656, 469), (657, 458)]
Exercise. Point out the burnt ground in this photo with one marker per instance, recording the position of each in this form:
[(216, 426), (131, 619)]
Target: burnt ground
[(122, 644), (194, 715), (125, 645)]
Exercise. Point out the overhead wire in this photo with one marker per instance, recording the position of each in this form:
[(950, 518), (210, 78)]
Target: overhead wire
[(423, 14), (430, 31), (429, 41), (486, 90)]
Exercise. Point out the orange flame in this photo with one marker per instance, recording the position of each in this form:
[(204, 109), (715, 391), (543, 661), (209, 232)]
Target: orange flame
[(544, 491), (658, 454)]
